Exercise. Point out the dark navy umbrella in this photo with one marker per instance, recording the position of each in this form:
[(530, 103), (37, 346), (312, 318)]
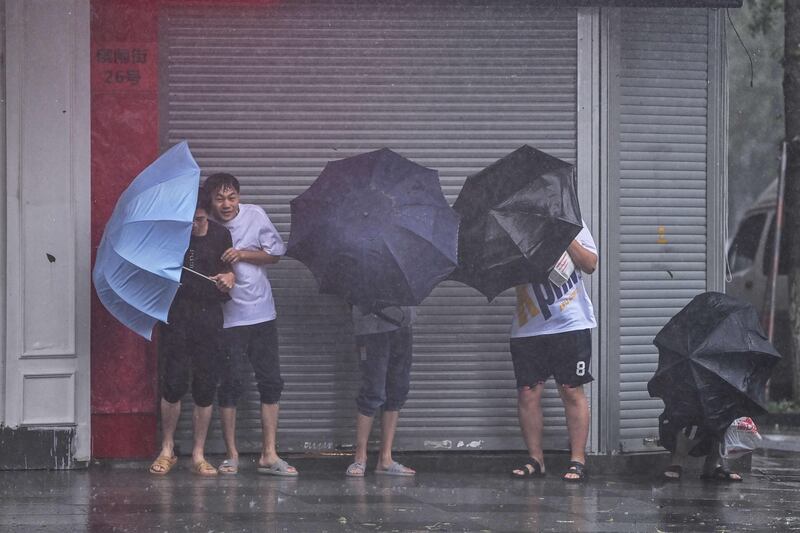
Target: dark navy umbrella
[(375, 229), (713, 364), (518, 215)]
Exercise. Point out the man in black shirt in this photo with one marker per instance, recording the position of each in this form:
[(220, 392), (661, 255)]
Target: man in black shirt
[(190, 341)]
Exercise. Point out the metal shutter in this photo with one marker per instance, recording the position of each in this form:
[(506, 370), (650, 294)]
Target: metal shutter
[(662, 152), (272, 93)]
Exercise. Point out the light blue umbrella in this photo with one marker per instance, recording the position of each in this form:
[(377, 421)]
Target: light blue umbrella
[(138, 267)]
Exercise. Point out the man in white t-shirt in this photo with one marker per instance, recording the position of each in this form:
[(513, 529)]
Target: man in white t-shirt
[(249, 330), (551, 336)]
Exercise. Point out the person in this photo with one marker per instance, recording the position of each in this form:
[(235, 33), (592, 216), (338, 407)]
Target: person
[(250, 331), (190, 341), (551, 336), (384, 342), (696, 441)]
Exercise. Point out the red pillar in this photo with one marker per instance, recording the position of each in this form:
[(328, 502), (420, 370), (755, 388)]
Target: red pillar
[(124, 141)]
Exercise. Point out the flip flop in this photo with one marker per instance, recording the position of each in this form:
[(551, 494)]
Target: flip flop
[(278, 468), (162, 465), (677, 470), (578, 469), (721, 473), (356, 470), (532, 468), (395, 469), (204, 468), (229, 467)]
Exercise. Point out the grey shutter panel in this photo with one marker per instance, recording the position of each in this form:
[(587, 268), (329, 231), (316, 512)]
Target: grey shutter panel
[(271, 94), (662, 143)]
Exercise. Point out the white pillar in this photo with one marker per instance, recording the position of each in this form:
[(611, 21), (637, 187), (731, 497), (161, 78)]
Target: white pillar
[(47, 261)]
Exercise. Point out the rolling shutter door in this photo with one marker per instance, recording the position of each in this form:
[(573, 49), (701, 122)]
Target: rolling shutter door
[(662, 187), (271, 94)]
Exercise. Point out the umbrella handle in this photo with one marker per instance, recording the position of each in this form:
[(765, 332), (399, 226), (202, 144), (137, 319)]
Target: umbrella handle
[(199, 274)]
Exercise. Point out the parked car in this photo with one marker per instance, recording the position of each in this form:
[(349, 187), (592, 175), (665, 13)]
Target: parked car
[(750, 255)]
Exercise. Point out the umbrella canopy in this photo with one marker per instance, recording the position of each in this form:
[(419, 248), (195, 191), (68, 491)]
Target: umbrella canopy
[(138, 267), (517, 217), (375, 229), (713, 365)]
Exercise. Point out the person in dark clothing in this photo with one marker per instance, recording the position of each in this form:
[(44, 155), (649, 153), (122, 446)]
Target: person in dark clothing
[(384, 341), (189, 344)]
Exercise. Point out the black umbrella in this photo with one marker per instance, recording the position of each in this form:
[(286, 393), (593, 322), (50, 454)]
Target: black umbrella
[(375, 229), (517, 217), (713, 364)]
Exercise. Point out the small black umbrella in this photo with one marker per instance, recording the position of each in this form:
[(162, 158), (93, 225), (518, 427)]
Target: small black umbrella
[(518, 216), (375, 229), (713, 364)]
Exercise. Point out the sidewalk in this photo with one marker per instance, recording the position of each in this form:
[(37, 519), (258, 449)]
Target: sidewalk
[(124, 497)]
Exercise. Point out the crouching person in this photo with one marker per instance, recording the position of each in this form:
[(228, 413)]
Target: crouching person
[(189, 344)]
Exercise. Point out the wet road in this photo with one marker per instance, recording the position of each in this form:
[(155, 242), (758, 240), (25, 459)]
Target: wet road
[(127, 498)]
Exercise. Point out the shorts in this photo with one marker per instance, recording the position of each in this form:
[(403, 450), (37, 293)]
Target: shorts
[(189, 350), (565, 356), (254, 346), (385, 370)]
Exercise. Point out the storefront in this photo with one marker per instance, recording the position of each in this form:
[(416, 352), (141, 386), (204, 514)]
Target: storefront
[(271, 91)]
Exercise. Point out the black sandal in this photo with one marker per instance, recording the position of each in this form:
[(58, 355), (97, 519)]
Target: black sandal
[(577, 468), (674, 469), (721, 473), (532, 468)]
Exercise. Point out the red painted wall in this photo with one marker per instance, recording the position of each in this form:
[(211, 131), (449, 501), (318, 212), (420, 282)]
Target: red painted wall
[(124, 141)]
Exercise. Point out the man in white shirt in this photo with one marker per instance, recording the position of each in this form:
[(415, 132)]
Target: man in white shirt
[(249, 328), (551, 336)]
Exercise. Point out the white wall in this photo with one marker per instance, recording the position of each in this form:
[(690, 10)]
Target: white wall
[(48, 206)]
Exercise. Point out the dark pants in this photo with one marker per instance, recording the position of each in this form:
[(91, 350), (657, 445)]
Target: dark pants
[(190, 344), (258, 344), (385, 370)]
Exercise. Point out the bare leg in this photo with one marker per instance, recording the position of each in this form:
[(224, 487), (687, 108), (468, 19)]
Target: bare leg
[(202, 419), (363, 428), (388, 427), (529, 410), (227, 416), (678, 457), (269, 430), (170, 413), (576, 407)]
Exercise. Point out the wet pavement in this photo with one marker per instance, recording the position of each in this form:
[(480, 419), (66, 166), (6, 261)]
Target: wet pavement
[(124, 497)]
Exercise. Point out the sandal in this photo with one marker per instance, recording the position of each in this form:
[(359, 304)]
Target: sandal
[(532, 468), (395, 469), (162, 465), (721, 473), (675, 470), (229, 467), (278, 468), (356, 470), (204, 468), (578, 469)]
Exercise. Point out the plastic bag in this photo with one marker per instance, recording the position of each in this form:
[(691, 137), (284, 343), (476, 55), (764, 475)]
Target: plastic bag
[(740, 438)]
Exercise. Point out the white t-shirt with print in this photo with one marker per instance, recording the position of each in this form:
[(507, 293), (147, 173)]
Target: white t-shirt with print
[(546, 309), (251, 298)]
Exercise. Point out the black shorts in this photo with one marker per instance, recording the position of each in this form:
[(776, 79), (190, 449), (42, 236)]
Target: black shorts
[(565, 356)]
